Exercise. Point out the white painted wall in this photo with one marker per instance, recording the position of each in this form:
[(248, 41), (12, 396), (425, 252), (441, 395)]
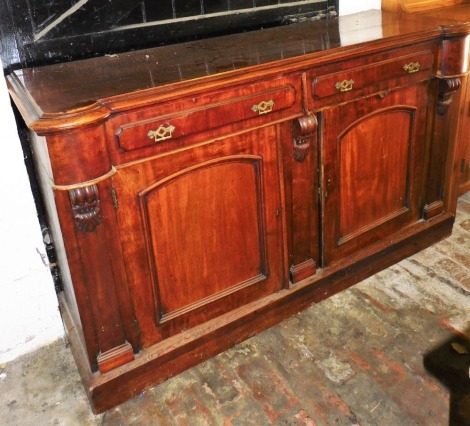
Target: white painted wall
[(346, 7), (29, 316)]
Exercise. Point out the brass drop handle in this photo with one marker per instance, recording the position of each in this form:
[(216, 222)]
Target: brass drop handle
[(263, 107), (162, 133), (345, 85), (412, 67)]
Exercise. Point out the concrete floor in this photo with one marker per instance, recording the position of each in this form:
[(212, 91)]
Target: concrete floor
[(385, 352)]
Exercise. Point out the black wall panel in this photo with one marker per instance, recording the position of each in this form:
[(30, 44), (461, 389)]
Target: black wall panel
[(36, 32)]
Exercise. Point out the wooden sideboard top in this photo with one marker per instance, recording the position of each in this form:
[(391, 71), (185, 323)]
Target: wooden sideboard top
[(94, 87)]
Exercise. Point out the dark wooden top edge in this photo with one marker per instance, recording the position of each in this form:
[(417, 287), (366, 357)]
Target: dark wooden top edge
[(64, 96), (29, 110), (50, 123), (293, 65), (455, 29), (42, 122)]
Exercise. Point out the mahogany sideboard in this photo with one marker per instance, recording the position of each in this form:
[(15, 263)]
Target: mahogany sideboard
[(202, 192)]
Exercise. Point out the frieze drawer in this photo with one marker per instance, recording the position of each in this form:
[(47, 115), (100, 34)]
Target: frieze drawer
[(174, 124), (373, 77)]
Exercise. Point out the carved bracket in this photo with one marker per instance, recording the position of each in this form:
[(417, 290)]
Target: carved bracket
[(86, 207), (303, 130), (447, 88)]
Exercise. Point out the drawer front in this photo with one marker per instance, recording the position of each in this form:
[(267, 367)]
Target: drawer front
[(379, 75), (172, 125)]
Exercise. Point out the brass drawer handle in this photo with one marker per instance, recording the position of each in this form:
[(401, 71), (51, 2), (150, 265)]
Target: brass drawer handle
[(263, 107), (162, 133), (345, 85), (412, 67)]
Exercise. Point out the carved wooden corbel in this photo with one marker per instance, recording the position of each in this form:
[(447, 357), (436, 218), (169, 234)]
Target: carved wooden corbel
[(447, 89), (303, 130), (86, 208)]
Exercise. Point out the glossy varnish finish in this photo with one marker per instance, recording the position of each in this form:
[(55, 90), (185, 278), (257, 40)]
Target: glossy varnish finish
[(372, 146), (191, 262), (459, 11), (208, 190), (119, 79)]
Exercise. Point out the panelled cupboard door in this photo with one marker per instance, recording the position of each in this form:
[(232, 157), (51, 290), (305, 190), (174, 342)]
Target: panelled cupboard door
[(201, 230), (373, 156)]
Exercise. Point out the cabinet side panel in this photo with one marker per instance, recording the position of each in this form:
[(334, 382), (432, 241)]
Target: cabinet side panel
[(465, 138), (44, 173)]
